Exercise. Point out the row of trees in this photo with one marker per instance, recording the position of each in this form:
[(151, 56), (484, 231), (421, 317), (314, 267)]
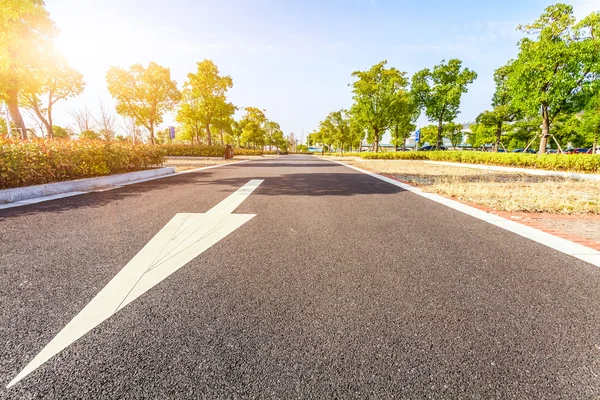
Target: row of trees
[(34, 76), (549, 92)]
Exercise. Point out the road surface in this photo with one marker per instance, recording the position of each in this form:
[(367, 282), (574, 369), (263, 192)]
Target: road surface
[(306, 279)]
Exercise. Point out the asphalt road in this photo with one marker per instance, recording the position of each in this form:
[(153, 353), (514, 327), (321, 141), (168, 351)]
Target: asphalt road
[(341, 286)]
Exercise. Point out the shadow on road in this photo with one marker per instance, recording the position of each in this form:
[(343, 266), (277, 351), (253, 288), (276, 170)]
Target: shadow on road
[(280, 179)]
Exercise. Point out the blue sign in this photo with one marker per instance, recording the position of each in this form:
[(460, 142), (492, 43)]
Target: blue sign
[(418, 136), (172, 132)]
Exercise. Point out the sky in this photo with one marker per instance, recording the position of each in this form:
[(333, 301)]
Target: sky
[(292, 58)]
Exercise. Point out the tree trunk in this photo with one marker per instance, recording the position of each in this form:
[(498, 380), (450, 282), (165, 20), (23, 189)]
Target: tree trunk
[(404, 144), (376, 142), (440, 142), (12, 101), (49, 123), (498, 136), (152, 133), (595, 142), (545, 129), (208, 135), (222, 141)]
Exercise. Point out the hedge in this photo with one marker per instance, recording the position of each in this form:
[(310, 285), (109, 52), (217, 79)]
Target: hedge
[(186, 150), (35, 162), (587, 163)]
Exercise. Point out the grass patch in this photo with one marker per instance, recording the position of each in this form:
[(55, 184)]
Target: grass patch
[(500, 191)]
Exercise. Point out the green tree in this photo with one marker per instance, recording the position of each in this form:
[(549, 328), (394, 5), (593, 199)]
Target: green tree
[(404, 118), (223, 121), (253, 127), (590, 123), (60, 132), (453, 131), (504, 110), (273, 135), (144, 94), (429, 134), (26, 31), (53, 81), (438, 91), (209, 89), (376, 93), (89, 134), (557, 68), (336, 129)]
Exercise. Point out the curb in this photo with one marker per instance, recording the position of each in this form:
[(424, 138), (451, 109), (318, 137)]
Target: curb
[(14, 195)]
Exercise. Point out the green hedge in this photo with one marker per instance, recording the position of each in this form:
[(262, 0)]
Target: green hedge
[(186, 150), (558, 162), (35, 162)]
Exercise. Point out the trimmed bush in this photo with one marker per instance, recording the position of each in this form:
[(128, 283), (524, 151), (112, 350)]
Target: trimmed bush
[(186, 150), (35, 162), (587, 163)]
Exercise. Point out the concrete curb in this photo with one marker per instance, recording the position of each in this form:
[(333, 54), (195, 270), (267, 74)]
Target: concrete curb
[(78, 185)]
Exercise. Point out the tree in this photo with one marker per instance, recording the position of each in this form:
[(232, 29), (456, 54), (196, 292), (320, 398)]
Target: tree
[(429, 134), (144, 94), (52, 82), (376, 92), (453, 132), (273, 134), (504, 110), (223, 120), (89, 134), (208, 89), (590, 124), (106, 123), (61, 133), (336, 129), (439, 92), (25, 34), (404, 118), (556, 70), (83, 119), (253, 127)]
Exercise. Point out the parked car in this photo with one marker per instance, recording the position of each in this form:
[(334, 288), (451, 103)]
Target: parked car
[(431, 148), (579, 151), (530, 151)]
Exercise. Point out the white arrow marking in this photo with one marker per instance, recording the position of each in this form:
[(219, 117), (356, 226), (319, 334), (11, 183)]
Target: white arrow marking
[(181, 240)]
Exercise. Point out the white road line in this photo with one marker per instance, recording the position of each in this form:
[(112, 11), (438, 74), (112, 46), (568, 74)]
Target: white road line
[(576, 250), (181, 240)]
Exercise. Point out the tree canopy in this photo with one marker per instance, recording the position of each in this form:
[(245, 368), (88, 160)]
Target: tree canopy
[(144, 94), (439, 91)]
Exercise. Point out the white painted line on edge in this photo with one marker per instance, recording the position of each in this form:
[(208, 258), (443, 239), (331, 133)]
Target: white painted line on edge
[(182, 239), (565, 246), (120, 185)]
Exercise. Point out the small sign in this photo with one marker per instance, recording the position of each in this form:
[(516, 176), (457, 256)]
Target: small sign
[(418, 136), (172, 132)]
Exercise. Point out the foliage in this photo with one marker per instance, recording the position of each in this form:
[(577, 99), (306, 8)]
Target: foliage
[(558, 162), (558, 67), (504, 110), (406, 112), (453, 132), (376, 96), (53, 81), (438, 91), (60, 132), (26, 32), (253, 127), (590, 125), (144, 94), (35, 162), (184, 150), (205, 99)]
